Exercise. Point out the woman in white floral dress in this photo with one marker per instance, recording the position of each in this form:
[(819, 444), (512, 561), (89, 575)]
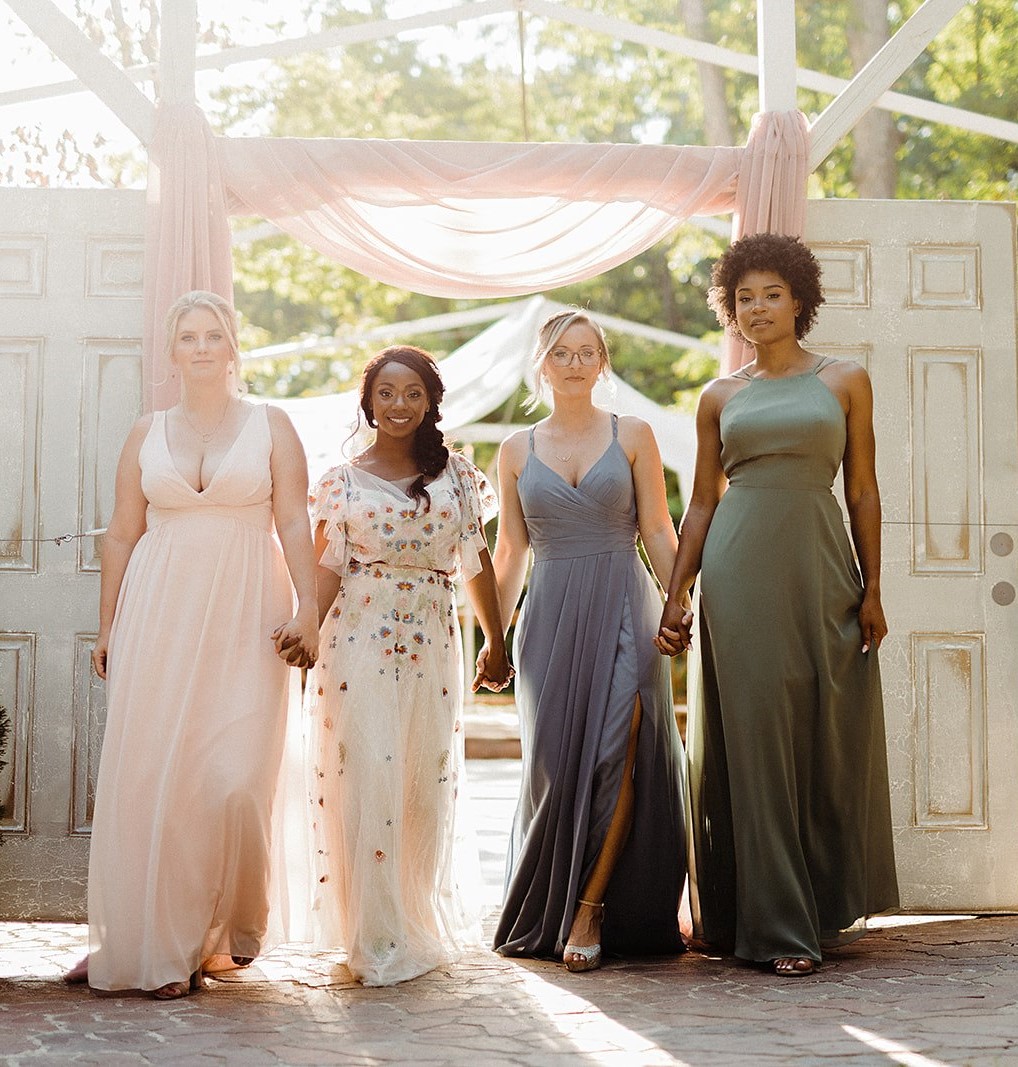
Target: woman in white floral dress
[(392, 530)]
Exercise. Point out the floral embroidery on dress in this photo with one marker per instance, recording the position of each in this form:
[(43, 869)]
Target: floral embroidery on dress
[(392, 698)]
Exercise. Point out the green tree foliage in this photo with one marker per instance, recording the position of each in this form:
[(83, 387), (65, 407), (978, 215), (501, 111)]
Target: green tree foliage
[(579, 85), (587, 87)]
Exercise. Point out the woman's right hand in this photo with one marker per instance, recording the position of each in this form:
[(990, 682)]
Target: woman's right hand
[(99, 653), (675, 633)]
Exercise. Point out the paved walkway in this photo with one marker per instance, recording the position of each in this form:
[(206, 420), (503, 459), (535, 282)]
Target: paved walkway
[(920, 991)]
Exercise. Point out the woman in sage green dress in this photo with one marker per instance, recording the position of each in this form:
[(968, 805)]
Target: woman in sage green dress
[(791, 847)]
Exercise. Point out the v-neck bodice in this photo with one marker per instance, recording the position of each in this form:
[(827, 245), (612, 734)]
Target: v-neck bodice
[(241, 486), (597, 515)]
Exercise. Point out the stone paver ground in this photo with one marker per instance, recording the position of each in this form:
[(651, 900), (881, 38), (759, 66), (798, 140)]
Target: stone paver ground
[(920, 991)]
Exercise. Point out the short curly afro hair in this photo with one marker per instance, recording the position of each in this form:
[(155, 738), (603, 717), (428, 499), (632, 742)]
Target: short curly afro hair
[(785, 256)]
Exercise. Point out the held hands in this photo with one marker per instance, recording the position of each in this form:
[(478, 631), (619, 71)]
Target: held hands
[(494, 671), (872, 622), (675, 634), (296, 641)]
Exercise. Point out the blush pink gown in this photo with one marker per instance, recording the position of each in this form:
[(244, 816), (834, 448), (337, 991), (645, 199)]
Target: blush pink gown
[(179, 865)]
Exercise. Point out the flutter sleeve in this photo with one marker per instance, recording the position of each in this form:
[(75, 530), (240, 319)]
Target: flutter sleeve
[(327, 503), (478, 504)]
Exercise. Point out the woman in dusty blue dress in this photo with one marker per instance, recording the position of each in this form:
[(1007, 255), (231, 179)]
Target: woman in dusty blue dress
[(597, 854), (791, 843)]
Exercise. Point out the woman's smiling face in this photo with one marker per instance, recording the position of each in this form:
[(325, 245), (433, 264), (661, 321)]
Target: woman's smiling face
[(399, 400)]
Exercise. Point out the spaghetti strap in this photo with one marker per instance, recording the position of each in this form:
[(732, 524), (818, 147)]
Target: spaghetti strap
[(825, 361), (743, 374), (615, 427), (531, 436)]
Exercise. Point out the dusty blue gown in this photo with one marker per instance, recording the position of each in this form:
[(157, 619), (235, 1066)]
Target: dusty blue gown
[(584, 650)]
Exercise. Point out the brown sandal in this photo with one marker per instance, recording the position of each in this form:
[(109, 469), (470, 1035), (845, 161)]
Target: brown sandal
[(176, 990)]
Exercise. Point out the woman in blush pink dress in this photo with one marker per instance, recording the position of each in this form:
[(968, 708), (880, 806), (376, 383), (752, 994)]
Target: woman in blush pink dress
[(196, 628)]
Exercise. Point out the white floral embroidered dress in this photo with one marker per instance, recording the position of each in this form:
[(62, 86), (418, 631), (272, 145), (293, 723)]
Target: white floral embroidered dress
[(384, 705)]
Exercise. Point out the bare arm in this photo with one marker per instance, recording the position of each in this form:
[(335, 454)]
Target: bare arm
[(512, 545), (297, 640), (862, 497), (123, 532), (652, 516), (493, 670), (328, 580), (708, 486)]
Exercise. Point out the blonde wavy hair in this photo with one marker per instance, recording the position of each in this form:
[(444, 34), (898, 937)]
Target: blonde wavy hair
[(548, 337), (225, 315)]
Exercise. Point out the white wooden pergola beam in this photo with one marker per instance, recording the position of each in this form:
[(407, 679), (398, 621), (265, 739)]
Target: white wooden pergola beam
[(896, 56), (900, 103), (362, 32), (95, 71), (916, 107), (178, 40), (775, 47)]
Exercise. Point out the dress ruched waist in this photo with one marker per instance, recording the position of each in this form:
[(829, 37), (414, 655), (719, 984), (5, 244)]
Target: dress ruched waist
[(259, 515), (587, 545)]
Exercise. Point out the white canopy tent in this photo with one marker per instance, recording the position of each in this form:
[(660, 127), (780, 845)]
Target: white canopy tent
[(579, 208), (480, 376)]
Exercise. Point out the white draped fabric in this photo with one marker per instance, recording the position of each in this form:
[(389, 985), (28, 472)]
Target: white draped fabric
[(465, 219), (448, 218), (479, 377)]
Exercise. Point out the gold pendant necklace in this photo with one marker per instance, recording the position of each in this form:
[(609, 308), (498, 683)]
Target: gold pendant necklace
[(206, 437)]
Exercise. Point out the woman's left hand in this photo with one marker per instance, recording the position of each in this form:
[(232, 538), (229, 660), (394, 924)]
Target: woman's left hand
[(872, 622), (296, 641), (494, 671)]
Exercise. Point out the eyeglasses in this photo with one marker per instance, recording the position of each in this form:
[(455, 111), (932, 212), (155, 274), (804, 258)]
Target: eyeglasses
[(562, 357)]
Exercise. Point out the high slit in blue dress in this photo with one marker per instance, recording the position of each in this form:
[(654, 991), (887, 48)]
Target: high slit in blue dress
[(584, 650)]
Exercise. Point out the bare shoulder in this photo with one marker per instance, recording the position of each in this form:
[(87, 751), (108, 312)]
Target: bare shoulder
[(513, 450), (845, 371), (635, 433), (143, 424), (139, 431), (718, 392), (278, 418), (850, 382)]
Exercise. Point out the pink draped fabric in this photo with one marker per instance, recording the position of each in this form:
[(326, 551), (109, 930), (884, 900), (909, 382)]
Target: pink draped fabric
[(187, 234), (457, 219), (483, 220), (771, 196)]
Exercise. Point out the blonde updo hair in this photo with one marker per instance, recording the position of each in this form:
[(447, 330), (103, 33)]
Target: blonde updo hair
[(225, 315), (548, 337)]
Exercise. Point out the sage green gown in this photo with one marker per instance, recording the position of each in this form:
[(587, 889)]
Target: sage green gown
[(791, 839)]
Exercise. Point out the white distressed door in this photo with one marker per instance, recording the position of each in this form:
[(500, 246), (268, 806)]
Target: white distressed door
[(70, 387), (923, 294)]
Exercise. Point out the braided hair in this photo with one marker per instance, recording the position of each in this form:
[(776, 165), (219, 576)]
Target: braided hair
[(429, 451)]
